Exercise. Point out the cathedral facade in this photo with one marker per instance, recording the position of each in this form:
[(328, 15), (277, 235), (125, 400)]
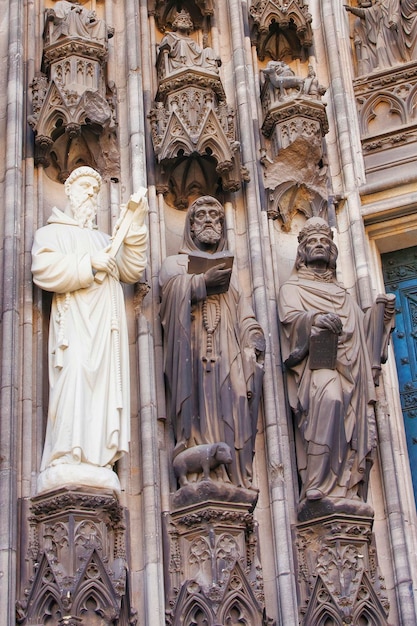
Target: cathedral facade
[(279, 123)]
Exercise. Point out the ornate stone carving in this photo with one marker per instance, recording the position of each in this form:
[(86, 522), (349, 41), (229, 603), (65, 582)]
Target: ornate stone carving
[(285, 96), (288, 199), (386, 104), (212, 342), (337, 572), (330, 391), (191, 119), (74, 115), (213, 570), (281, 29), (78, 557)]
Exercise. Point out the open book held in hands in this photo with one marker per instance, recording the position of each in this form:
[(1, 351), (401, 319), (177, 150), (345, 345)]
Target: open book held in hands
[(200, 263)]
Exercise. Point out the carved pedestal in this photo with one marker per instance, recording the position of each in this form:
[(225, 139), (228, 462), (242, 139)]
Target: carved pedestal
[(338, 573), (295, 171), (78, 558), (212, 569)]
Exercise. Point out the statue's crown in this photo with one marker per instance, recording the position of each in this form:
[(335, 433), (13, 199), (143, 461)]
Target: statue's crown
[(315, 225), (183, 15)]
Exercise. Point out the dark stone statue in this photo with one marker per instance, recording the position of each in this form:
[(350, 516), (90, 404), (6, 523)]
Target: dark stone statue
[(213, 354), (333, 352)]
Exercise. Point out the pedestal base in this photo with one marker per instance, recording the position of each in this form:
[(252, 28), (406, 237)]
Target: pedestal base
[(338, 573), (81, 474), (313, 509), (212, 567), (76, 558), (209, 490)]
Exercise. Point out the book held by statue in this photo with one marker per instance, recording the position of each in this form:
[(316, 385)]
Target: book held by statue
[(200, 263), (323, 350)]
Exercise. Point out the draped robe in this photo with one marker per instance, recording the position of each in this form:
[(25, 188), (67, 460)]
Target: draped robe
[(89, 398), (335, 430), (207, 392)]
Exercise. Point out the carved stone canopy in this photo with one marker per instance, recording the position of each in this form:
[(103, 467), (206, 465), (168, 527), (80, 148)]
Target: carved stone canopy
[(191, 122), (165, 12), (290, 198), (340, 582), (281, 29), (74, 109)]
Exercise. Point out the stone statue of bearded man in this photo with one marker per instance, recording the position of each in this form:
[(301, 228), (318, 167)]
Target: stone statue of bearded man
[(332, 352), (89, 398)]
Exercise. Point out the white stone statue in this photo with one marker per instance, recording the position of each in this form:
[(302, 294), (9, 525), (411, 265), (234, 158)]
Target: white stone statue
[(89, 397), (70, 19), (183, 51)]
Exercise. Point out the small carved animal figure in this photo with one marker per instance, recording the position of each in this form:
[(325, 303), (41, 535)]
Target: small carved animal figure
[(282, 77), (202, 458)]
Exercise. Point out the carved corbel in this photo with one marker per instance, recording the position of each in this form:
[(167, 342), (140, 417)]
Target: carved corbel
[(294, 125), (78, 557)]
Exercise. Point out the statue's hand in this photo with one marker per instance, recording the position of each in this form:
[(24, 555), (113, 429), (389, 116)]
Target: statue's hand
[(329, 321), (102, 261), (257, 342), (138, 203), (389, 301), (217, 276)]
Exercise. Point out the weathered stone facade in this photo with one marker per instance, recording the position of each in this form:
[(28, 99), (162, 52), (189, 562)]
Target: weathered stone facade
[(282, 111)]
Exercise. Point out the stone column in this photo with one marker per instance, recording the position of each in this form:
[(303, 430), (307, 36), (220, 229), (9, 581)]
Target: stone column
[(12, 211)]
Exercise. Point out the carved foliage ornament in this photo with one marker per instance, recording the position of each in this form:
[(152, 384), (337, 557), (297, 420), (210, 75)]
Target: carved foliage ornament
[(338, 573), (77, 552)]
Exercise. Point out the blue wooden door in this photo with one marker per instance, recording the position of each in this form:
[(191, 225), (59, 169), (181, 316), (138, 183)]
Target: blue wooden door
[(400, 277)]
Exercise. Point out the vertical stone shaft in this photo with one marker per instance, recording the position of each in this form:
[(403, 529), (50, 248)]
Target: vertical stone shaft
[(280, 514), (10, 353)]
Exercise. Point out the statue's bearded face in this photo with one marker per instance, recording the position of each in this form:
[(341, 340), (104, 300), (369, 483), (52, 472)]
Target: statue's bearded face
[(83, 195), (317, 249), (207, 225)]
